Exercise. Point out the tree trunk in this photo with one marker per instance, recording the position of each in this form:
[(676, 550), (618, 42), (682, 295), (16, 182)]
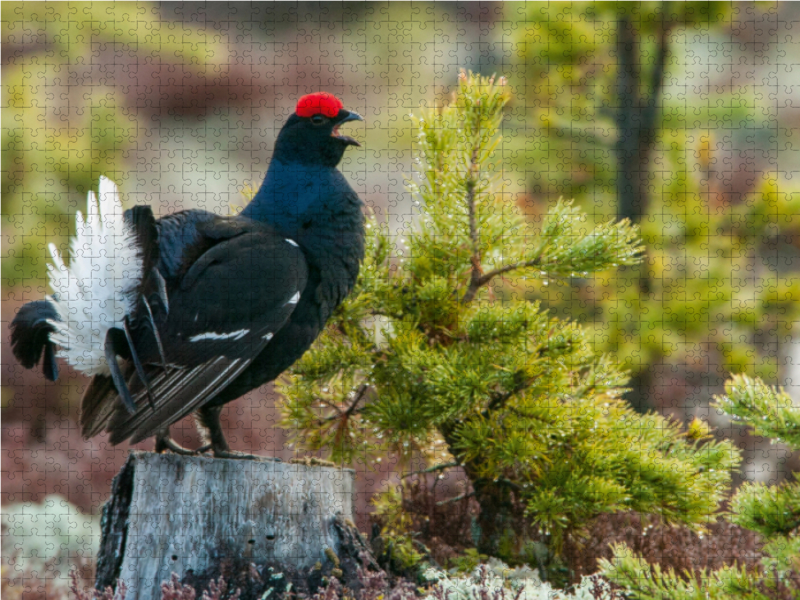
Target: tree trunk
[(637, 119), (259, 524), (637, 129), (496, 518)]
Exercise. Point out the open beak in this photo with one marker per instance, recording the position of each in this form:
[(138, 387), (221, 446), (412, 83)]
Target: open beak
[(344, 117)]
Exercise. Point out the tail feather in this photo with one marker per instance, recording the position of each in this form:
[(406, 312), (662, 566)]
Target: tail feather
[(96, 292), (30, 336), (50, 366), (99, 287), (142, 223), (152, 286), (98, 404)]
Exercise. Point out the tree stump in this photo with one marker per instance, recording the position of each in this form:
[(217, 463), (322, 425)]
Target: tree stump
[(259, 524)]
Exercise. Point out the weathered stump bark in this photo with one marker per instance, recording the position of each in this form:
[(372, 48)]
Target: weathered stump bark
[(260, 524)]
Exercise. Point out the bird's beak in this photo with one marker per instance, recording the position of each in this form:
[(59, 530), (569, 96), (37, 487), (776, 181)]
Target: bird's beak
[(343, 117), (350, 116)]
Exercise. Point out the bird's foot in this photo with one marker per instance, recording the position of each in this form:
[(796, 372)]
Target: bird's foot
[(211, 429), (225, 453), (164, 443)]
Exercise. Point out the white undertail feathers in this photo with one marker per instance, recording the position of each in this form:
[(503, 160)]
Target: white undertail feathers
[(98, 288)]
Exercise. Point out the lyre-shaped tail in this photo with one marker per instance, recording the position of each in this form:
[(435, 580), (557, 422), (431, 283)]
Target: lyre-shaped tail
[(99, 287)]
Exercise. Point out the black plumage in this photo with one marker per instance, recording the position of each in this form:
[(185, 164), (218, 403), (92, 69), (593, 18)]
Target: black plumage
[(224, 304), (30, 337)]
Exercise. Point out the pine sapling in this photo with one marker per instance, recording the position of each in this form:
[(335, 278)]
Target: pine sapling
[(435, 357)]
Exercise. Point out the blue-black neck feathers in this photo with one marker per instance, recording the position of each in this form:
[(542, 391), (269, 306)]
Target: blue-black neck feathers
[(303, 191)]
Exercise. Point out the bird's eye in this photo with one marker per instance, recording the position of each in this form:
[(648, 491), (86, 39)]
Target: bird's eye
[(318, 119)]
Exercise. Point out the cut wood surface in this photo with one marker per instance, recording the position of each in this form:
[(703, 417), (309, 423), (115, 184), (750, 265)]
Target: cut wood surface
[(170, 513)]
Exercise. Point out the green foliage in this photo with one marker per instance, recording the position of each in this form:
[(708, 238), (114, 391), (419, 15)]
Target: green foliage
[(705, 290), (400, 552), (424, 353), (389, 510), (768, 410), (468, 561), (403, 553), (649, 581), (773, 511)]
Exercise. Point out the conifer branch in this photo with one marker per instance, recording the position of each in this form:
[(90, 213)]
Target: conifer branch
[(351, 410), (477, 282), (455, 499), (499, 480), (475, 259), (432, 469), (498, 401)]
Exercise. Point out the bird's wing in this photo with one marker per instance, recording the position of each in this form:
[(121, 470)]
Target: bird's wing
[(176, 394), (222, 312)]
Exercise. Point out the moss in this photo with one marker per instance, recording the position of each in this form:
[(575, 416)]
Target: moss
[(332, 557)]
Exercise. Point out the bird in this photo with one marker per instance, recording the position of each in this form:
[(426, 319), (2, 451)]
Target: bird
[(185, 313)]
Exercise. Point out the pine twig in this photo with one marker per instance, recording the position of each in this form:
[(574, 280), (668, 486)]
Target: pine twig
[(477, 282), (351, 410), (432, 469), (455, 499), (475, 259)]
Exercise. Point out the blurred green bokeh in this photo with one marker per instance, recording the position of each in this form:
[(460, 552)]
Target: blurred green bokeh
[(718, 291), (61, 132)]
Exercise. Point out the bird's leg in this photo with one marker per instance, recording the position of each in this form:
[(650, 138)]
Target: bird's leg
[(208, 421), (165, 442)]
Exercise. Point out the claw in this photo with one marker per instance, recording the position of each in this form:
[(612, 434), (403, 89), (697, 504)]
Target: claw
[(219, 453), (208, 420), (164, 442)]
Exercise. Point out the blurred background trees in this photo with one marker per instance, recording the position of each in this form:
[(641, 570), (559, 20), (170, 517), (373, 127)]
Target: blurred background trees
[(636, 129), (680, 116)]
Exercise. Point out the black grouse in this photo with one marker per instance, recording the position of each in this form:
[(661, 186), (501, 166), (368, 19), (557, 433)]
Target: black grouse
[(190, 311)]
